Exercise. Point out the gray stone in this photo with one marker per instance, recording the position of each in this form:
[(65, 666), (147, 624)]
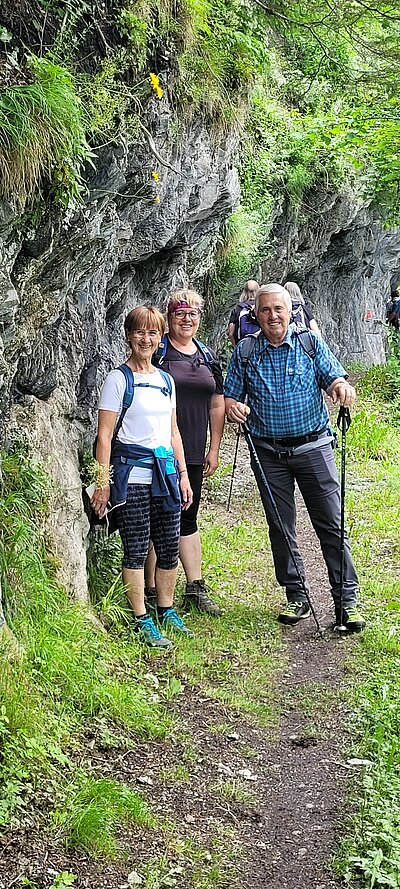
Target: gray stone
[(66, 286)]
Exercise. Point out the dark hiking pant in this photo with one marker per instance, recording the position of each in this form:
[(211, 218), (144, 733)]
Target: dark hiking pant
[(316, 475)]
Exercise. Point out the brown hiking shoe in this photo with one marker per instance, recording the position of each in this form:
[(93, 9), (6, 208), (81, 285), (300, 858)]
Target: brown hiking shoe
[(196, 596)]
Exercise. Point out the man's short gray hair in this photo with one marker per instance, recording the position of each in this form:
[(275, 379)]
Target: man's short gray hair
[(274, 288)]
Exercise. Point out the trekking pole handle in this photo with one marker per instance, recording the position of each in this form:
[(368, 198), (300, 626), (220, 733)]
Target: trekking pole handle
[(344, 418)]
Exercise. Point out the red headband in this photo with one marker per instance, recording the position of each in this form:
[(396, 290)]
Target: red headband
[(177, 304)]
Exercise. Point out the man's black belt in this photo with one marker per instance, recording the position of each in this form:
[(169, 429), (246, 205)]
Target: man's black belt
[(296, 442)]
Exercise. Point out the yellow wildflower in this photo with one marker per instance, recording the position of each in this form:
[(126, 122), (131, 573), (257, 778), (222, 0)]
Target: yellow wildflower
[(155, 83), (157, 199), (155, 176)]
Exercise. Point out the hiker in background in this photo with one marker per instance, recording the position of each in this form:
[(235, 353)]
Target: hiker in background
[(243, 310), (137, 455), (288, 420), (302, 314), (200, 406), (393, 310)]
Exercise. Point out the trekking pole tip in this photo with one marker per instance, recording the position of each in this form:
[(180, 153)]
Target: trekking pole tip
[(340, 629)]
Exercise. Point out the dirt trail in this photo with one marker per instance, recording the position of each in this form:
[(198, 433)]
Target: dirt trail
[(303, 775)]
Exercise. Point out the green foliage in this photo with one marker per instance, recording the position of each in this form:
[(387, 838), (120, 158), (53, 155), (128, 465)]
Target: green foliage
[(373, 852), (285, 151), (93, 810), (109, 101), (63, 880), (42, 135), (371, 437), (233, 790), (146, 24), (312, 119), (239, 251), (67, 671), (381, 383), (223, 51), (136, 30), (106, 588), (370, 855)]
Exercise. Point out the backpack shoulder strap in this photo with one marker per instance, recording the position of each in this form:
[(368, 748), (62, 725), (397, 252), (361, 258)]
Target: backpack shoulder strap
[(306, 341), (129, 387), (167, 380), (205, 351), (159, 355), (128, 395), (246, 348)]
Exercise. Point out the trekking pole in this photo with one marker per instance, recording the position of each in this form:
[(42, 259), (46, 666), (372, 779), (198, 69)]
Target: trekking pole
[(343, 423), (233, 470), (265, 481)]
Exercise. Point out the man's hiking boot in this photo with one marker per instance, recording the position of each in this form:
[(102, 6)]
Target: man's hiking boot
[(150, 598), (352, 618), (196, 596), (294, 612), (151, 635), (171, 620)]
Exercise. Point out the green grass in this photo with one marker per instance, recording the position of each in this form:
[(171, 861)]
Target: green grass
[(235, 658), (71, 682), (67, 672), (316, 701), (370, 855), (233, 790), (42, 134), (93, 811)]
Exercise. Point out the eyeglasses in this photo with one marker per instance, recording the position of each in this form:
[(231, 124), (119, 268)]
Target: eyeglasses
[(193, 314), (153, 334)]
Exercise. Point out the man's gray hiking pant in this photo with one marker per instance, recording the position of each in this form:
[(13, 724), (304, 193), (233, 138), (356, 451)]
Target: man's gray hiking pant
[(315, 472)]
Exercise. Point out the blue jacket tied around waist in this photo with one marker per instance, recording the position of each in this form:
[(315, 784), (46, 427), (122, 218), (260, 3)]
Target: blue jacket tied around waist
[(165, 477)]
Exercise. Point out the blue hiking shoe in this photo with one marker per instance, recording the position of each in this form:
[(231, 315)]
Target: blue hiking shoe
[(171, 620), (151, 634)]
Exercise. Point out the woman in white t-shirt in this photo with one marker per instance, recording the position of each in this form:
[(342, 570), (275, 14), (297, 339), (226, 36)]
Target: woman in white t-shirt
[(141, 442)]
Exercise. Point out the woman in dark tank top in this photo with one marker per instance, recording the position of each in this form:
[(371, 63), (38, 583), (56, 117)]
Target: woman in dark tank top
[(200, 406)]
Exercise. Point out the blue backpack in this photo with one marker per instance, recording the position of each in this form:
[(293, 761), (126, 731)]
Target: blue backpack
[(247, 323), (129, 393)]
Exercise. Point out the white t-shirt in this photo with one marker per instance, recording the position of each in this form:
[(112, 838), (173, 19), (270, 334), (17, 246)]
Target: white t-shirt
[(147, 422)]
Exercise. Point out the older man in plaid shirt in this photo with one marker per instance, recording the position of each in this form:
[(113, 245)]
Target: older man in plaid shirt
[(288, 420)]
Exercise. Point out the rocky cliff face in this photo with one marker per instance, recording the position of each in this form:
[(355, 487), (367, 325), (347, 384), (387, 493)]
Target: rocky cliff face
[(345, 262), (67, 284)]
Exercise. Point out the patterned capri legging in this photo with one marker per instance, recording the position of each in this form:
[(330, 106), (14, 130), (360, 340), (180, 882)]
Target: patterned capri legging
[(140, 520)]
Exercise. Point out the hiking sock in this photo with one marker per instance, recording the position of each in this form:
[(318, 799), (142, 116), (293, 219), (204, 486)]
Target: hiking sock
[(161, 609)]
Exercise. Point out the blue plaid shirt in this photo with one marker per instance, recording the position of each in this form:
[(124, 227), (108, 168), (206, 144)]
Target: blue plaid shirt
[(283, 385)]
